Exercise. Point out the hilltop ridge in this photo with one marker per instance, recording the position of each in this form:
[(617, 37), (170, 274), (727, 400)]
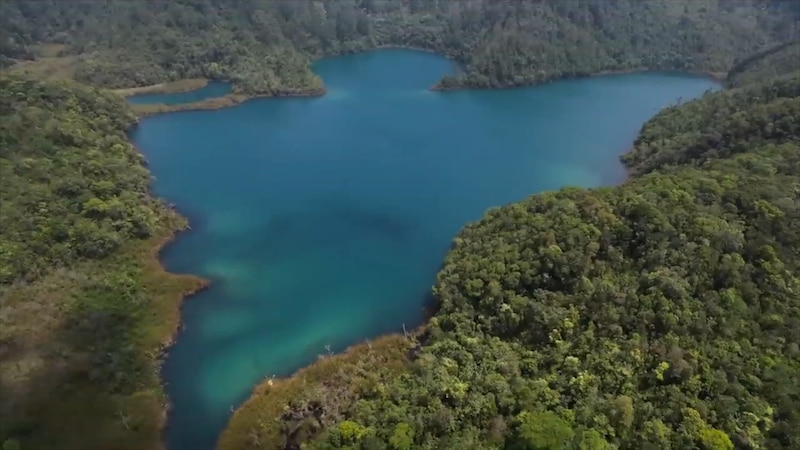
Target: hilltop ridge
[(265, 46)]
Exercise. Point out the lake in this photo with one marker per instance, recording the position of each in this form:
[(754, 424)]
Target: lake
[(322, 221)]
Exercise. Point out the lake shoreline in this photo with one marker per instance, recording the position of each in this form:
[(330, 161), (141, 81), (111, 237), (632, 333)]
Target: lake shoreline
[(231, 100), (223, 102), (234, 99), (171, 302), (197, 285), (200, 284), (388, 352), (171, 87), (718, 77)]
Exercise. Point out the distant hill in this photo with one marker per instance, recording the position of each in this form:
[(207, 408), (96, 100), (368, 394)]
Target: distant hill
[(265, 46)]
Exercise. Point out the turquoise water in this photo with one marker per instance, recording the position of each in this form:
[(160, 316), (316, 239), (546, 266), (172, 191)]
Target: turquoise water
[(213, 89), (322, 221)]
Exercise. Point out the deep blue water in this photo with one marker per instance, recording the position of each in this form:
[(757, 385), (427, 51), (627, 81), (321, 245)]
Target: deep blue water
[(213, 89), (322, 221)]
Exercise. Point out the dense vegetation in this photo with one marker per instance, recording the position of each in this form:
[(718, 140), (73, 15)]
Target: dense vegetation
[(265, 46), (767, 64), (84, 306), (718, 127), (659, 314), (663, 313), (71, 188)]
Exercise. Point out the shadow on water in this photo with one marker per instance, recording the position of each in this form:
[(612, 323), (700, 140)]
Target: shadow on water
[(430, 305), (389, 225), (290, 234)]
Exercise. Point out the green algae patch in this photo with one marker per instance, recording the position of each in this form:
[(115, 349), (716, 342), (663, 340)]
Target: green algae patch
[(282, 411)]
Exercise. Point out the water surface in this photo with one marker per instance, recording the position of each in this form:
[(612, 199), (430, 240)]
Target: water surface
[(322, 221), (213, 89)]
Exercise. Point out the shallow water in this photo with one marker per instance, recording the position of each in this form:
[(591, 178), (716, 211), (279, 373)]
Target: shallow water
[(323, 221), (213, 89)]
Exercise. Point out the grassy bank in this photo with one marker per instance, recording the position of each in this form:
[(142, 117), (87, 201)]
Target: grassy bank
[(174, 87), (64, 388), (86, 310), (286, 411), (216, 103)]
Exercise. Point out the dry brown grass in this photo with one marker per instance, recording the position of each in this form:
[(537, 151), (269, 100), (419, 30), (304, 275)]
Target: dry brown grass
[(43, 383), (212, 103), (173, 87), (47, 68), (259, 417), (49, 63)]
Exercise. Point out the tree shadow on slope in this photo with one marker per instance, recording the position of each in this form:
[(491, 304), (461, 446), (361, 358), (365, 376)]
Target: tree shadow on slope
[(87, 377)]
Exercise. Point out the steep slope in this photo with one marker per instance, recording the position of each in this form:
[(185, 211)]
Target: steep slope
[(84, 304), (767, 64), (720, 126), (265, 46), (663, 313)]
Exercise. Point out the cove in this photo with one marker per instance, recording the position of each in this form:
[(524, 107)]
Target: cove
[(213, 89), (323, 221)]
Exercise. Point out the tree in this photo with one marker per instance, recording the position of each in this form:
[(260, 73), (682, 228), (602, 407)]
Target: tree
[(713, 439), (402, 437), (542, 431)]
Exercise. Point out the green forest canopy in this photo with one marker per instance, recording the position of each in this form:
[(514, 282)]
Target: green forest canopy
[(264, 46)]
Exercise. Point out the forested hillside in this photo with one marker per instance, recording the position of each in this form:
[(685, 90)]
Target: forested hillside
[(84, 305), (718, 127), (265, 46), (663, 313), (769, 63)]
